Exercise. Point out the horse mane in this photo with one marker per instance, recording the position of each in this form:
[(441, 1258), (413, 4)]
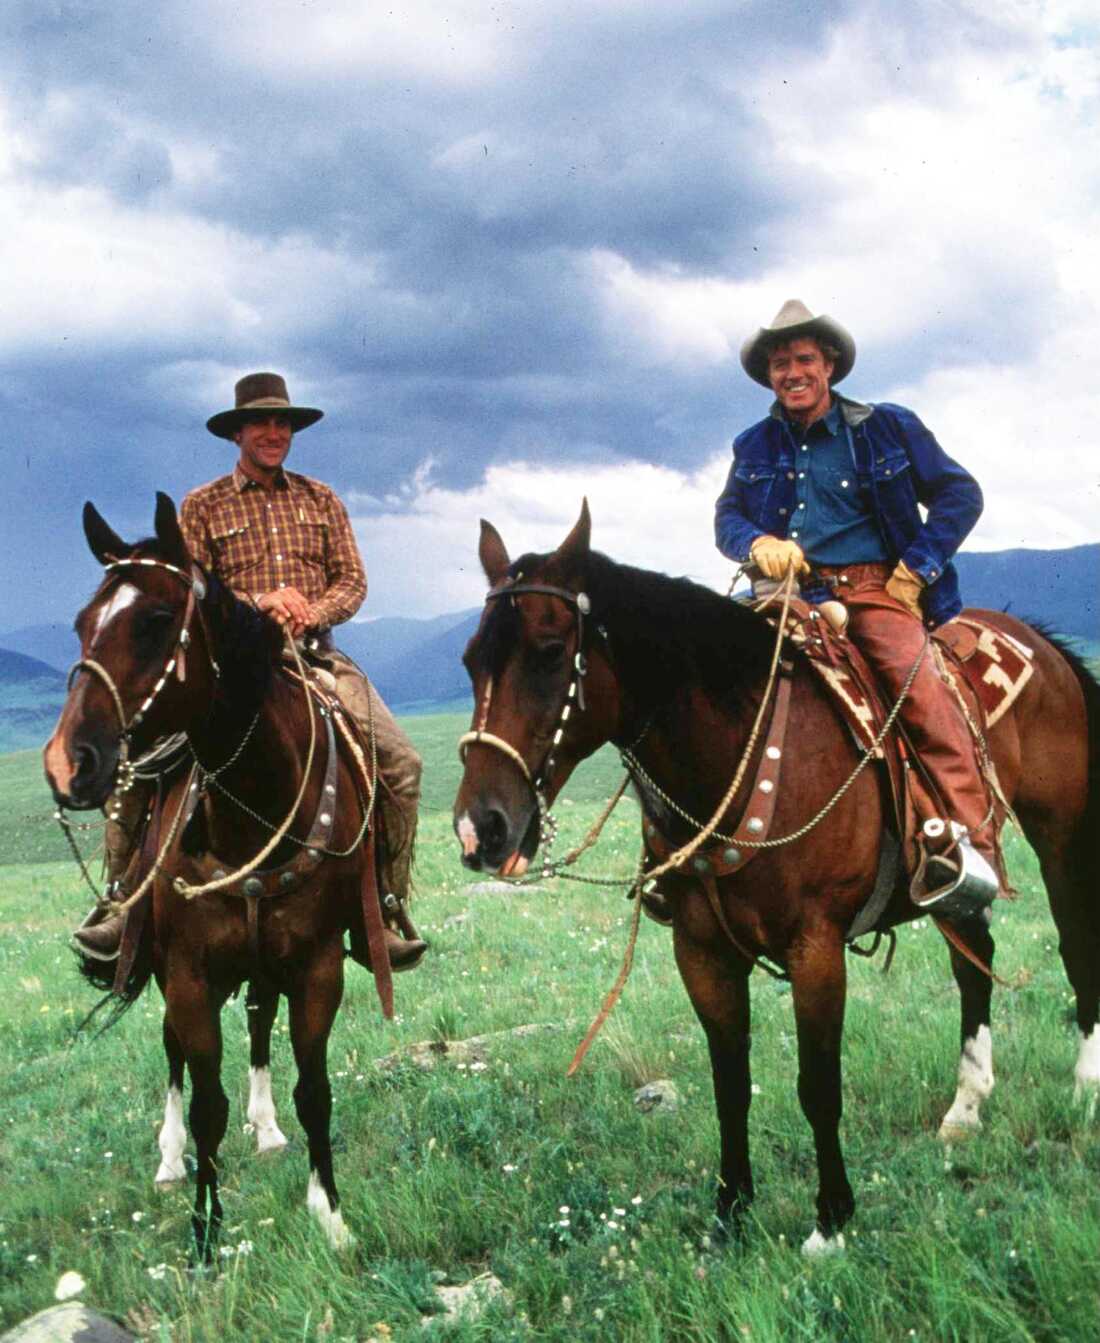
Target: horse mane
[(665, 633)]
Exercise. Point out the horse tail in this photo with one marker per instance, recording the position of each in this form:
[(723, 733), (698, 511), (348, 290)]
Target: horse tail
[(101, 975)]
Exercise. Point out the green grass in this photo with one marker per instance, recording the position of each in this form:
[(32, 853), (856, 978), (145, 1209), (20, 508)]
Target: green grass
[(447, 1173)]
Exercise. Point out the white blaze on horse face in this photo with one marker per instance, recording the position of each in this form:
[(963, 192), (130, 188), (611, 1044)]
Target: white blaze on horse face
[(261, 1111), (123, 596), (975, 1085), (467, 834), (172, 1140), (1087, 1072), (331, 1219)]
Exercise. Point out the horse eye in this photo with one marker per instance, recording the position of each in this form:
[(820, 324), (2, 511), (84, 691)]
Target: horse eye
[(549, 656), (151, 625)]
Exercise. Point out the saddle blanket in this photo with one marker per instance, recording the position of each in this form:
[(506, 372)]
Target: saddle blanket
[(992, 664)]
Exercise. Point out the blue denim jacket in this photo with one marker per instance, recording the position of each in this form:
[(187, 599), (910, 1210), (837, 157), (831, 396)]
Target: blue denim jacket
[(898, 465)]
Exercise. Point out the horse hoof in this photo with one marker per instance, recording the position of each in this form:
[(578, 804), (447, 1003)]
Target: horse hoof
[(169, 1178), (817, 1246), (271, 1144)]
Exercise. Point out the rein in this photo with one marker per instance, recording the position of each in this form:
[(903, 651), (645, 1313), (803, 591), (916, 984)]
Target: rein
[(128, 771)]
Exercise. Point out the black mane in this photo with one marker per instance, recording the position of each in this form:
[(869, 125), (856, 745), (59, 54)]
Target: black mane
[(666, 634), (675, 633)]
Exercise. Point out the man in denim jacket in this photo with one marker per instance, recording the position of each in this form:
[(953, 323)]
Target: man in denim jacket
[(832, 483)]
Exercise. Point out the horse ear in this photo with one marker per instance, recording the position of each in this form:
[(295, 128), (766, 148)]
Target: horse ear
[(104, 543), (168, 532), (577, 544), (492, 554)]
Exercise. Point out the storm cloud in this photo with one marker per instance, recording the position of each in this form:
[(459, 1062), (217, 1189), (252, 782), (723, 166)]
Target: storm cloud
[(513, 251)]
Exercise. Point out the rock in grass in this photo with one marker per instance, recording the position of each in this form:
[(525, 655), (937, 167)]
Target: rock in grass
[(660, 1097), (70, 1323), (468, 1301)]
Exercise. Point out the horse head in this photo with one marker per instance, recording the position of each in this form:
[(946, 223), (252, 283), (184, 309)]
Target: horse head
[(544, 697), (130, 684)]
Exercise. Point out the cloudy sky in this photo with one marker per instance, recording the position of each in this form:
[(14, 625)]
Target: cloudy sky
[(512, 249)]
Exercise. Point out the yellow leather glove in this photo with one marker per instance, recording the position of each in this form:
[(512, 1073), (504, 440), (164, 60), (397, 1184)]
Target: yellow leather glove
[(774, 557), (906, 587)]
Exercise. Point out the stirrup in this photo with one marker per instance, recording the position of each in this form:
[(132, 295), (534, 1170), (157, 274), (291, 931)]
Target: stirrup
[(960, 884)]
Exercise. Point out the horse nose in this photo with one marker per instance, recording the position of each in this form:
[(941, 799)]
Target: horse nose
[(484, 842), (88, 761)]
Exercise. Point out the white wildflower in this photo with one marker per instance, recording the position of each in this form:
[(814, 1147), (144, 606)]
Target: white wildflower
[(68, 1285)]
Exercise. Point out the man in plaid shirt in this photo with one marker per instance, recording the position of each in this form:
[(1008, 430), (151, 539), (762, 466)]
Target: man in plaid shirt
[(283, 542)]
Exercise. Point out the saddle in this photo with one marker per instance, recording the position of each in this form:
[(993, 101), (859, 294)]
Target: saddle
[(985, 668)]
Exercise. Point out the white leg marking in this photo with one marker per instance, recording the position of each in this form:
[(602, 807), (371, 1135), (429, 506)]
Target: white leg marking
[(331, 1219), (817, 1246), (261, 1112), (172, 1140), (122, 597), (1086, 1074), (963, 1120), (467, 833)]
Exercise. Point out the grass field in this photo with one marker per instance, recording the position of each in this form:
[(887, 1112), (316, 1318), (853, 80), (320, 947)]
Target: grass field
[(449, 1173)]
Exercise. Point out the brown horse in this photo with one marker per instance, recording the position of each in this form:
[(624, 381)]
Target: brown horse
[(166, 649), (574, 650)]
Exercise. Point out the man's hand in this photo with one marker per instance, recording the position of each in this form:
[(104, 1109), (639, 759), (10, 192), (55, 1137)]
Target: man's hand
[(774, 557), (289, 608), (905, 587)]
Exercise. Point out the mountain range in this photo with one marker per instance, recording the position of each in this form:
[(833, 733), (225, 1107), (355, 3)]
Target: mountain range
[(416, 664)]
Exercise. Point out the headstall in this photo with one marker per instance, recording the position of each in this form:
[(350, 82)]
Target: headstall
[(177, 660), (580, 602)]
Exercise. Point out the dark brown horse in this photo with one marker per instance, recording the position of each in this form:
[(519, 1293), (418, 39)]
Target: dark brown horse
[(168, 650), (575, 650)]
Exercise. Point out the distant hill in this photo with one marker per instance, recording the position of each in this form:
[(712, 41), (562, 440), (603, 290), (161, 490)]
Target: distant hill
[(1060, 588), (416, 664)]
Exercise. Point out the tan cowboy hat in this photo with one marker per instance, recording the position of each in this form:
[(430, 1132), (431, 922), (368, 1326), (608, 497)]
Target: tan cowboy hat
[(259, 392), (792, 320)]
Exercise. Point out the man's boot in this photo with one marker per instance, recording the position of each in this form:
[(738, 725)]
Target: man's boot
[(102, 937), (405, 945)]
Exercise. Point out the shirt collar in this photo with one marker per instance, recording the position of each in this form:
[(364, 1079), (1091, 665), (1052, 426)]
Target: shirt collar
[(241, 482), (831, 420)]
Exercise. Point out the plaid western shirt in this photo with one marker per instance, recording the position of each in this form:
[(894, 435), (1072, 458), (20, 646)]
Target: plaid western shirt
[(295, 535)]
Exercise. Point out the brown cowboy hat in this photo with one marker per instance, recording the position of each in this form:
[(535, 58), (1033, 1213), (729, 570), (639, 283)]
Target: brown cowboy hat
[(792, 320), (260, 392)]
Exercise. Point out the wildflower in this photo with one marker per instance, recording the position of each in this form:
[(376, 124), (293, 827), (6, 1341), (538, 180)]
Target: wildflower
[(157, 1271), (598, 1313), (244, 1247), (136, 1216), (564, 1209), (508, 1168), (32, 1259), (68, 1285), (636, 1199), (566, 1305), (619, 1212)]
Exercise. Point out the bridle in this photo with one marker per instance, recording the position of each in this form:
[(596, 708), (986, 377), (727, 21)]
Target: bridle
[(536, 781), (177, 661)]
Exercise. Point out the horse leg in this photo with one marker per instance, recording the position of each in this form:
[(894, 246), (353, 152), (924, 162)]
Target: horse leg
[(719, 994), (195, 1017), (172, 1138), (313, 1006), (261, 1006), (819, 981), (1073, 905), (975, 1081)]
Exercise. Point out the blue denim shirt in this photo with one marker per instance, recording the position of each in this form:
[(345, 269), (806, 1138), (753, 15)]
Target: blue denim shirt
[(898, 465)]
